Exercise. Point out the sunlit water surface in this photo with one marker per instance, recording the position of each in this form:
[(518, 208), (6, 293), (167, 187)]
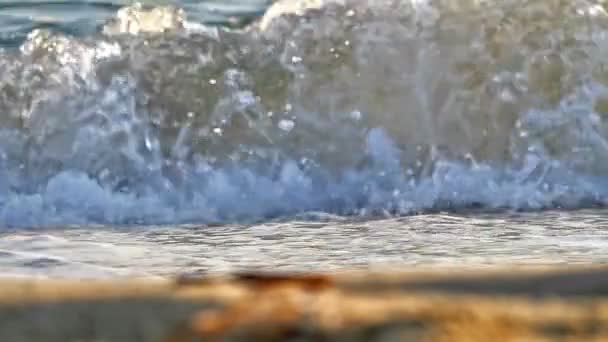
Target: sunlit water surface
[(441, 240)]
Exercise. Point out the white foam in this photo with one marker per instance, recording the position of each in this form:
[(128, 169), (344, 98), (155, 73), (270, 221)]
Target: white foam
[(354, 112)]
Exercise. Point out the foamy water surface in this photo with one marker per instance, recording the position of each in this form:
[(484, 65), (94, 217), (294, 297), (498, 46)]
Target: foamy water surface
[(170, 137)]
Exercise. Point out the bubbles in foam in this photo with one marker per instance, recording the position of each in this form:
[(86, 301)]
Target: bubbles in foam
[(137, 19), (349, 107)]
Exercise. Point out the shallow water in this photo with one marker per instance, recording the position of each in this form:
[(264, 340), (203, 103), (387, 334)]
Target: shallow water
[(211, 136), (439, 240)]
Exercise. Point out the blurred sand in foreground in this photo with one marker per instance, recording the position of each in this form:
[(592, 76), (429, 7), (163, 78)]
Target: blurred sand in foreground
[(439, 305)]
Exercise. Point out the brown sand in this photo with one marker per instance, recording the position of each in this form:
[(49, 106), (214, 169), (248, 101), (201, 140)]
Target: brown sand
[(522, 305)]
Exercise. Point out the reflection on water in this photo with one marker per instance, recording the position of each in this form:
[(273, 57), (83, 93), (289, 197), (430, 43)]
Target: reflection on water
[(429, 240)]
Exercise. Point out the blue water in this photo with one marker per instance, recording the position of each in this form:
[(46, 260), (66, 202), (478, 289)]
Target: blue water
[(81, 17)]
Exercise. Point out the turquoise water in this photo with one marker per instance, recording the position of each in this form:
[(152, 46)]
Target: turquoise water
[(18, 18)]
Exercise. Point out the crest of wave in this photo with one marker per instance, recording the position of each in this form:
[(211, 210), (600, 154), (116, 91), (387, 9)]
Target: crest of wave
[(344, 106)]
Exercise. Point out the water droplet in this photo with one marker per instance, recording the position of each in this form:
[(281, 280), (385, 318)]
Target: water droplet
[(507, 96), (286, 125), (148, 143)]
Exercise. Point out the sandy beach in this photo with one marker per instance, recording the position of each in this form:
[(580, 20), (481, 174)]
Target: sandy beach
[(447, 305)]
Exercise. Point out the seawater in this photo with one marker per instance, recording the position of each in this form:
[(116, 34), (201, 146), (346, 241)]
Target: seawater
[(165, 137)]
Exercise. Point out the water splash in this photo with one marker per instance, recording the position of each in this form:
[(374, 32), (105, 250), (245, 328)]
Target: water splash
[(349, 107)]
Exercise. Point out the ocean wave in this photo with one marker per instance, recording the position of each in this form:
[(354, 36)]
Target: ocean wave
[(348, 107)]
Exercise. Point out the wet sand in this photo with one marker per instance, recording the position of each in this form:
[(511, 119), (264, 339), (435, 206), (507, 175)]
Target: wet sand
[(502, 304)]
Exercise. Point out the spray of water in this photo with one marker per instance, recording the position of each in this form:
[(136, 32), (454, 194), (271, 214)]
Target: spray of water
[(349, 107)]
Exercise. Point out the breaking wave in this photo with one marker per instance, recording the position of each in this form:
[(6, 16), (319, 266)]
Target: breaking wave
[(349, 107)]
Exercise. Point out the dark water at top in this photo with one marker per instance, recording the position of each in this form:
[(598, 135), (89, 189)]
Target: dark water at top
[(18, 18)]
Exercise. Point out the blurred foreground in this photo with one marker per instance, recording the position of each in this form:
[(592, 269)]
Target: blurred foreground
[(527, 305)]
